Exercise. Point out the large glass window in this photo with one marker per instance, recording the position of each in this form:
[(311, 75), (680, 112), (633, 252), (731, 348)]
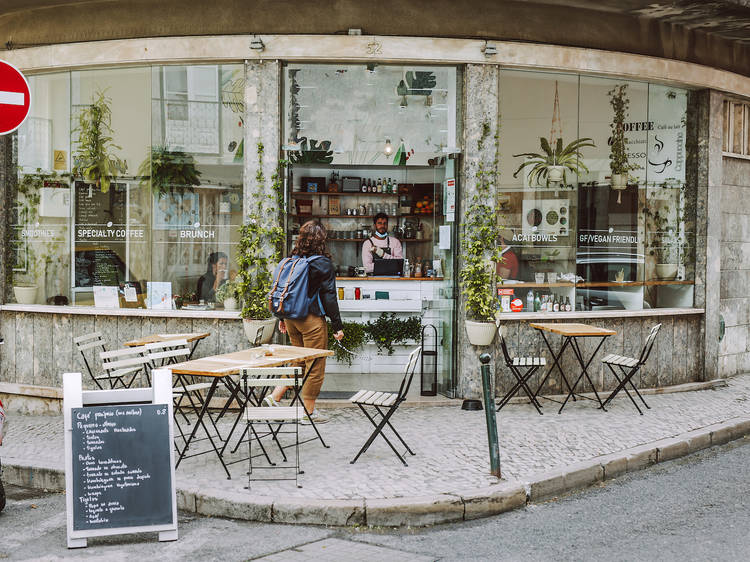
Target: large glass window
[(598, 212), (130, 180)]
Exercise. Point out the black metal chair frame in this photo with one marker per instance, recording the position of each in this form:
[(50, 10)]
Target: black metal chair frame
[(522, 379), (90, 341), (625, 377), (385, 416)]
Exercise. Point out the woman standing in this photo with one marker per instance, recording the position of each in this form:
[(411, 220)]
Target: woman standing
[(312, 330)]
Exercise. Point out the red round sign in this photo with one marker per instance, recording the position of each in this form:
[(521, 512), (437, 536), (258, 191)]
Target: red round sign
[(14, 98)]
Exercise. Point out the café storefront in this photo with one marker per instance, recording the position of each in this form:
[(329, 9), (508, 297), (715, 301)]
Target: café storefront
[(121, 258)]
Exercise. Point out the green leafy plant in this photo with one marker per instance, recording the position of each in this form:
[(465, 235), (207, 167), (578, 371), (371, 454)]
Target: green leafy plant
[(312, 153), (355, 337), (169, 171), (260, 244), (569, 157), (388, 330), (227, 291), (94, 159), (481, 231), (618, 154)]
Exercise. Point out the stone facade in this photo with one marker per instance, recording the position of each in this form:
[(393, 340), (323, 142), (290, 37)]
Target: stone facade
[(39, 346), (734, 349)]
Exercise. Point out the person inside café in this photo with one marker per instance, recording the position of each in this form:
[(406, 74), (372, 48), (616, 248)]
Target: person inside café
[(215, 277), (380, 246), (507, 266)]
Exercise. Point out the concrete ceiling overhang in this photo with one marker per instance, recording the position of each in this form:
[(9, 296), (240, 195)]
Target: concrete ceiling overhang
[(714, 33)]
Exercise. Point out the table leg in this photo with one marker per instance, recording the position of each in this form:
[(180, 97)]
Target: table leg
[(298, 396), (584, 371), (555, 359), (201, 423)]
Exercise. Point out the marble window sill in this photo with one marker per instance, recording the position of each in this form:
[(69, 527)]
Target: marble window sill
[(138, 312)]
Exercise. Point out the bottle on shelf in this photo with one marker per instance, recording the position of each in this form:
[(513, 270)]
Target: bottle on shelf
[(369, 185), (530, 301), (380, 186), (364, 185), (555, 304), (537, 303), (567, 304), (418, 267), (370, 209)]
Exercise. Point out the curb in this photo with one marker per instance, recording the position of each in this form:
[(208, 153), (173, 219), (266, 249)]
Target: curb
[(420, 511)]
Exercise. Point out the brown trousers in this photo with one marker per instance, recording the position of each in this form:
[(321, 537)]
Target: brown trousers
[(310, 332)]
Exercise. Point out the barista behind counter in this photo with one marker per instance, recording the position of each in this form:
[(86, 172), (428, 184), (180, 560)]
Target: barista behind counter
[(380, 246)]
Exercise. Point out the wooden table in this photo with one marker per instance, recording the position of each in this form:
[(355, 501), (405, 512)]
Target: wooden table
[(570, 333), (220, 367), (192, 337)]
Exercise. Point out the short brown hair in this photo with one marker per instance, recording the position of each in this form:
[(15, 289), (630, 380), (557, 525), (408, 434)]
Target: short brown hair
[(311, 240)]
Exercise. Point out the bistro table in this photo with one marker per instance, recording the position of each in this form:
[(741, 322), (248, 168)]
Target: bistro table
[(192, 337), (570, 333), (219, 368)]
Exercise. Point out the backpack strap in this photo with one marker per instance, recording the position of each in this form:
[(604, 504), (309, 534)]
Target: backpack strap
[(276, 284)]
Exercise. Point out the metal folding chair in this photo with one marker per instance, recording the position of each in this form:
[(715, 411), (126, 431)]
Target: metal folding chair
[(532, 365), (91, 341), (122, 366), (379, 401), (281, 417), (628, 367), (165, 353)]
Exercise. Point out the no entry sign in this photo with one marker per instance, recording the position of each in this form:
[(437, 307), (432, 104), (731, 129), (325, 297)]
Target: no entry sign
[(14, 98)]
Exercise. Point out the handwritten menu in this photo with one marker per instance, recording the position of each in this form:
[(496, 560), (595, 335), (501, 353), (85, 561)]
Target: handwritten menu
[(121, 466)]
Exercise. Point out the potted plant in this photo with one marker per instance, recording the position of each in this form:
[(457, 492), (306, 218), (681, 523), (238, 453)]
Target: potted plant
[(664, 244), (479, 247), (169, 171), (227, 294), (618, 154), (93, 159), (258, 251), (554, 161)]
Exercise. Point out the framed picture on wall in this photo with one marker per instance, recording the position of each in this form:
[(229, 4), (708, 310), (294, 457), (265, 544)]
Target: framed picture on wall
[(313, 185)]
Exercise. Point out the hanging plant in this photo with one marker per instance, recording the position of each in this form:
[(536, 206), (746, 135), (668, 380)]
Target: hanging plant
[(93, 158), (618, 154), (569, 158), (169, 171)]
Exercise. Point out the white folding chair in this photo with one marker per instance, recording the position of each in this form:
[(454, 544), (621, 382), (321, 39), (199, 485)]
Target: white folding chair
[(390, 400), (127, 363), (265, 379), (91, 341)]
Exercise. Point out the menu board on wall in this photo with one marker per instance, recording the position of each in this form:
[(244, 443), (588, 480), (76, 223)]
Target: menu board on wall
[(97, 209), (122, 474)]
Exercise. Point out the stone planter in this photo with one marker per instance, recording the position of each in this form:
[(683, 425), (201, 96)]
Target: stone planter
[(480, 333), (25, 294), (555, 174), (252, 326), (230, 303)]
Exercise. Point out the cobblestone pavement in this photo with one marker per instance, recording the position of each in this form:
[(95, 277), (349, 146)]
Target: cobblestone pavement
[(450, 444)]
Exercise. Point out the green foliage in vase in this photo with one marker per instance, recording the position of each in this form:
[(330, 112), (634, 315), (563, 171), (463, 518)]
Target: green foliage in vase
[(481, 232), (93, 158), (569, 157), (388, 330), (260, 244), (227, 290), (169, 171)]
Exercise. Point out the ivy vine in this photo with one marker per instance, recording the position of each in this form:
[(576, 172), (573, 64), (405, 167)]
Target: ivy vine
[(261, 242), (481, 231)]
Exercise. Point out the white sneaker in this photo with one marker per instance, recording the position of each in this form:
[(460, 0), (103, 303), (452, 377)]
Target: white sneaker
[(316, 416), (270, 402)]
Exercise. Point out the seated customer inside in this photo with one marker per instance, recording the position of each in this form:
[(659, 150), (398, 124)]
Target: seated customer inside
[(215, 277), (380, 246)]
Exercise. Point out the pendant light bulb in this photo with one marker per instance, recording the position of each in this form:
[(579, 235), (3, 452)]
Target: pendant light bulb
[(388, 150)]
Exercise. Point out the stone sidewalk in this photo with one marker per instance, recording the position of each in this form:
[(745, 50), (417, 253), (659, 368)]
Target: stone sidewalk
[(448, 479)]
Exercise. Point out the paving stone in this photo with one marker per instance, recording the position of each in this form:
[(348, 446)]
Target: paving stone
[(450, 446)]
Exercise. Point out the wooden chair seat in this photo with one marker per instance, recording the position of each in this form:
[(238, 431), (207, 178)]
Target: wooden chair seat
[(277, 413), (373, 398), (620, 360)]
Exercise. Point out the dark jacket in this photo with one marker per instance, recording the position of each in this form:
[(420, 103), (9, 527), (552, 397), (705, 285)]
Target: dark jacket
[(322, 276)]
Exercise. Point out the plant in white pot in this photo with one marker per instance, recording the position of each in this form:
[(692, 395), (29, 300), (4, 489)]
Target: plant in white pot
[(259, 250), (551, 165), (480, 251), (619, 164), (227, 294), (664, 243)]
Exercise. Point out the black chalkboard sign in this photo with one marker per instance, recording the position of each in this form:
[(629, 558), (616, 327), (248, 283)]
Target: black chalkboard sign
[(122, 475)]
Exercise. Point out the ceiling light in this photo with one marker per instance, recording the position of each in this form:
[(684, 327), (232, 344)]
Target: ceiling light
[(388, 150)]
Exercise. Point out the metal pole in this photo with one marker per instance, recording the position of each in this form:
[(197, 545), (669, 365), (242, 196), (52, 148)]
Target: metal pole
[(489, 412)]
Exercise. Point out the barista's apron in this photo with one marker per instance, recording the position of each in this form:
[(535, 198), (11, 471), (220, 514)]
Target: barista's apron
[(386, 250)]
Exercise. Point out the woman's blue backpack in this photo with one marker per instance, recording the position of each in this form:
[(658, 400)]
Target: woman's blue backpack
[(288, 297)]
